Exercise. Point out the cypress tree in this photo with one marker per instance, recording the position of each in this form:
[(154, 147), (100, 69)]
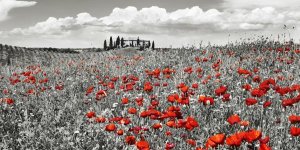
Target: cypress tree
[(110, 43), (153, 45), (118, 41), (105, 45), (122, 42)]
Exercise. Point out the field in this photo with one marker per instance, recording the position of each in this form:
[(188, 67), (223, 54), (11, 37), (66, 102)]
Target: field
[(241, 96)]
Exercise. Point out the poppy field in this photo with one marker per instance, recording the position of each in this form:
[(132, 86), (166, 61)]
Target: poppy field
[(242, 96)]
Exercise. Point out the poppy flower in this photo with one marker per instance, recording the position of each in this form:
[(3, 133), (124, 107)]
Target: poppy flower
[(171, 123), (257, 92), (247, 87), (148, 87), (120, 132), (168, 133), (235, 139), (125, 100), (191, 123), (130, 140), (264, 147), (125, 121), (226, 97), (208, 101), (89, 90), (294, 131), (157, 126), (250, 101), (100, 94), (191, 142), (221, 90), (90, 114), (184, 89), (215, 140), (142, 145), (9, 101), (171, 98), (264, 140), (294, 119), (242, 71), (110, 127), (169, 146), (267, 104), (132, 110), (233, 119), (100, 119), (252, 135), (195, 85)]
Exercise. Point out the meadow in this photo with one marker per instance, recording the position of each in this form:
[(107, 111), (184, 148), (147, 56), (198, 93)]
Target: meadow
[(238, 96)]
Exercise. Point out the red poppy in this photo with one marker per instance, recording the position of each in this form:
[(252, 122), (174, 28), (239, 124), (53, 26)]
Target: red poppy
[(110, 127), (243, 71), (264, 140), (247, 87), (168, 133), (130, 140), (142, 145), (100, 119), (233, 119), (226, 97), (125, 100), (250, 101), (157, 126), (191, 123), (90, 114), (195, 85), (257, 92), (264, 147), (215, 140), (221, 90), (120, 132), (267, 104), (294, 119), (252, 135), (132, 110), (9, 101), (295, 131), (184, 89), (89, 90), (148, 87), (169, 146), (235, 139), (191, 142), (171, 124)]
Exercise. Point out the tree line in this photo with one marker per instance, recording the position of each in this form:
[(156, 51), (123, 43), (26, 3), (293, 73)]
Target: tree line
[(120, 43)]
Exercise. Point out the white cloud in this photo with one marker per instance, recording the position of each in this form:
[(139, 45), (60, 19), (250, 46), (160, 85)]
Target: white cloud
[(7, 5)]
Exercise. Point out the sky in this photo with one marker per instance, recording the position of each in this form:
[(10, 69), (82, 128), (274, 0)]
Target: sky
[(176, 23)]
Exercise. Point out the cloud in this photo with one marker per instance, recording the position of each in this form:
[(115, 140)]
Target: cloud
[(7, 5), (250, 4), (155, 21), (60, 26)]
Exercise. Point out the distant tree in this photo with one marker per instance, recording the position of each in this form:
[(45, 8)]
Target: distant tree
[(115, 45), (122, 42), (118, 41), (105, 45), (153, 45), (1, 47), (110, 43), (138, 41)]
